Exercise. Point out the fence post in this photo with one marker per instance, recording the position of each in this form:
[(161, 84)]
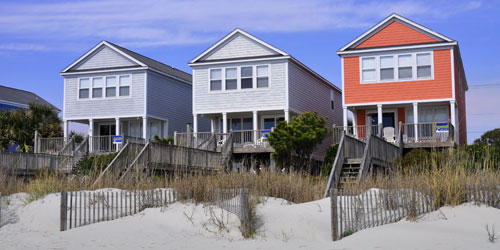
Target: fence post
[(245, 211), (64, 207), (333, 202)]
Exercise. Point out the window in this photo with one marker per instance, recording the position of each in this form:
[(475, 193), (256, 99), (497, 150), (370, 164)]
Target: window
[(271, 122), (124, 85), (405, 67), (231, 78), (215, 79), (332, 103), (97, 85), (84, 88), (246, 77), (262, 77), (368, 65), (111, 86), (386, 68), (424, 65)]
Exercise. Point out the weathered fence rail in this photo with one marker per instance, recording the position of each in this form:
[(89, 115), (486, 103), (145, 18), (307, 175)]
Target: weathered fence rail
[(18, 162), (353, 210), (235, 201), (87, 207)]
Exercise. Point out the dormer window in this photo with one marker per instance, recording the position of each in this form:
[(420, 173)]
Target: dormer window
[(397, 67)]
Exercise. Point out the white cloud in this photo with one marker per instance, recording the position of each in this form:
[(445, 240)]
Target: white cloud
[(155, 23)]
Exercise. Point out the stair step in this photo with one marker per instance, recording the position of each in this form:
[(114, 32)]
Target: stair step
[(353, 161)]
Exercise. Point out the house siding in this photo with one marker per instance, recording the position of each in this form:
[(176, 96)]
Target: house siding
[(438, 88), (273, 97), (104, 57), (237, 47), (309, 94), (104, 107), (460, 99), (393, 34)]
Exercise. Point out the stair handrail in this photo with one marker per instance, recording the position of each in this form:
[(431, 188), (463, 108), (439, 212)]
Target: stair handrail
[(134, 161), (337, 166), (111, 164)]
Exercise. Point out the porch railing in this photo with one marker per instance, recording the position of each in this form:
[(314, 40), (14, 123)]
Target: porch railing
[(254, 138)]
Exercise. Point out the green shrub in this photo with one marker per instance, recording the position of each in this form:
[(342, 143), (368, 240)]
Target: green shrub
[(95, 163), (331, 152), (169, 140)]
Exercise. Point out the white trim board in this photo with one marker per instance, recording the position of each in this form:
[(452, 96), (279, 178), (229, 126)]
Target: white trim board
[(387, 21), (399, 102), (228, 36), (396, 48)]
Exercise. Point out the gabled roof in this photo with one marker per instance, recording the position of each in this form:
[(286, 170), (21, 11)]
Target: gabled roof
[(395, 17), (229, 36), (22, 97), (137, 58)]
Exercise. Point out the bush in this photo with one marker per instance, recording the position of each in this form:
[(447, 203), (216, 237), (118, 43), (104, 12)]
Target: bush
[(94, 164), (169, 140), (331, 152), (416, 157)]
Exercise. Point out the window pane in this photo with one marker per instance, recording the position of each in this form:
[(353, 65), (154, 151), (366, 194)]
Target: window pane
[(246, 83), (247, 124), (262, 82), (405, 73), (111, 92), (262, 71), (84, 93), (236, 124), (216, 74), (231, 73), (369, 75), (231, 84), (125, 91), (246, 72), (98, 82), (110, 81), (405, 61), (96, 92), (424, 59), (387, 74), (424, 71), (215, 85), (386, 62), (268, 123), (84, 83), (124, 80), (369, 63), (332, 105)]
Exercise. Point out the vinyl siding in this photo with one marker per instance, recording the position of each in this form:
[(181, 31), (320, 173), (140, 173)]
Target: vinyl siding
[(395, 33), (237, 47), (309, 94), (461, 103), (438, 88), (104, 57), (104, 107), (274, 97)]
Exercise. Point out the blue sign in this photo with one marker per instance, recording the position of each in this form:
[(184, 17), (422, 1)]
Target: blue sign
[(117, 139)]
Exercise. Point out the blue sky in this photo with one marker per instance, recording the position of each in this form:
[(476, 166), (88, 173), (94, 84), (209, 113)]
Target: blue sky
[(39, 38)]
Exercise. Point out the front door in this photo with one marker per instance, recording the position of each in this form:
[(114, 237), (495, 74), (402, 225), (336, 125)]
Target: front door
[(105, 139), (388, 120)]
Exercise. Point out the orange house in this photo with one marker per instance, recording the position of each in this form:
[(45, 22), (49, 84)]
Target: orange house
[(401, 76)]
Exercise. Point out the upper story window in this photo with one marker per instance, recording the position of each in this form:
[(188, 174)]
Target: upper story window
[(247, 77), (262, 76), (216, 79), (231, 78), (397, 67), (332, 100), (104, 87), (97, 85), (84, 88), (124, 85), (239, 78)]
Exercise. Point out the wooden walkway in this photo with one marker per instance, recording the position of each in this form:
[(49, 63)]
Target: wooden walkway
[(19, 163)]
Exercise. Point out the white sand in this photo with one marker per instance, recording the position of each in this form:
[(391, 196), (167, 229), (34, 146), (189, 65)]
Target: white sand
[(280, 226)]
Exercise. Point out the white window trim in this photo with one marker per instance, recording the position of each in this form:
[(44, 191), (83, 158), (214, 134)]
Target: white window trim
[(91, 79), (238, 78), (276, 117), (222, 79), (396, 67)]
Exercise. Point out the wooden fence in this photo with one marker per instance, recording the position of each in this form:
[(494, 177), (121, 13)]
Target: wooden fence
[(234, 201), (1, 205), (28, 163), (87, 207), (353, 210)]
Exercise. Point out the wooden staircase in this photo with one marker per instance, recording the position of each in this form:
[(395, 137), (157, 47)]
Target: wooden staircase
[(349, 172)]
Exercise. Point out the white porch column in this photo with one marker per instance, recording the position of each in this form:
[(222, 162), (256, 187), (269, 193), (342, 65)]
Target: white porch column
[(415, 119), (195, 124), (165, 129), (255, 126), (145, 128), (287, 115), (66, 130), (453, 118), (355, 123), (224, 122), (91, 133), (212, 125), (380, 119), (118, 132), (345, 118)]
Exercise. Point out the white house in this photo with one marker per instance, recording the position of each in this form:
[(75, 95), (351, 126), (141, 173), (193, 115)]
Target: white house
[(245, 86), (119, 92)]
